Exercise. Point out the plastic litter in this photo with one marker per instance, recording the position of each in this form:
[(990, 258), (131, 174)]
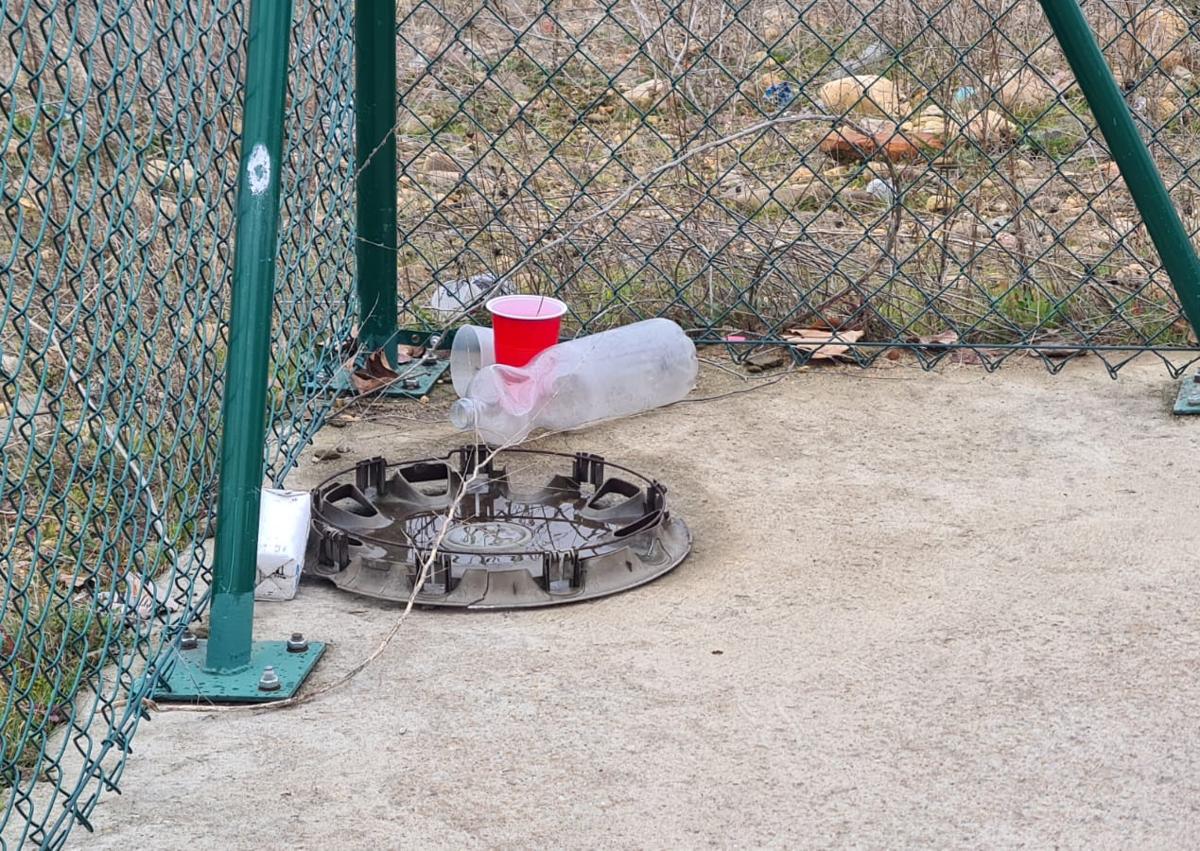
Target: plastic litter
[(882, 190), (524, 325), (464, 295), (473, 349), (283, 522), (779, 95), (613, 374)]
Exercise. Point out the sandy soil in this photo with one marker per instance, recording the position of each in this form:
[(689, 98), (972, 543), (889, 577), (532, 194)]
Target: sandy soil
[(923, 609)]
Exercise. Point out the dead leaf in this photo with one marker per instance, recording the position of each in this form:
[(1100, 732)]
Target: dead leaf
[(822, 344), (375, 374)]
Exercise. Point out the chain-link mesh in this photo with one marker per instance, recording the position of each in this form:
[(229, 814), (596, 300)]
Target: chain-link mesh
[(649, 158), (898, 174), (119, 126)]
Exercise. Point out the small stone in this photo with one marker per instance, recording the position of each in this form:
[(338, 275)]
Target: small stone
[(762, 361)]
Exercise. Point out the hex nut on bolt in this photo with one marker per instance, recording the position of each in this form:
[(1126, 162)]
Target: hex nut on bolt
[(269, 681), (297, 643), (189, 641)]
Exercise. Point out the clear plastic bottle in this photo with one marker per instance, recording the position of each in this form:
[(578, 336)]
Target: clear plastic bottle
[(612, 374), (473, 349)]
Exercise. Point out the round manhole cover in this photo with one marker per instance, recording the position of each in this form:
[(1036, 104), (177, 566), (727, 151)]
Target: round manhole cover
[(477, 529)]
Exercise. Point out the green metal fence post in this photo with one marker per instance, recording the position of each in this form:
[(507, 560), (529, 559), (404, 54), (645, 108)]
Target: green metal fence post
[(1129, 151), (375, 144), (230, 665)]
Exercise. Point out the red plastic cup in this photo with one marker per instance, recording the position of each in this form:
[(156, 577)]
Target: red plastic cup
[(524, 325)]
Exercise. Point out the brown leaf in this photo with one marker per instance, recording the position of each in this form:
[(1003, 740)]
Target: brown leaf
[(374, 375), (822, 344)]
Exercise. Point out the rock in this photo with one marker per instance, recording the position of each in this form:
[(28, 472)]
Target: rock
[(440, 171), (763, 361), (990, 127), (1162, 110), (754, 196), (942, 202), (646, 95), (862, 95), (934, 122), (1157, 35), (180, 175), (438, 161), (1132, 275), (1023, 93)]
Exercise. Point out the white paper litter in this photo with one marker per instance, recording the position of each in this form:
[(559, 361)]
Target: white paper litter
[(283, 521)]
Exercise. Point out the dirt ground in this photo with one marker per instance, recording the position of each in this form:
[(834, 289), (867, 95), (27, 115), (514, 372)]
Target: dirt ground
[(950, 609)]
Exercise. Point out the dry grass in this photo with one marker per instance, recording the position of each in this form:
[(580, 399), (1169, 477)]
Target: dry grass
[(514, 129)]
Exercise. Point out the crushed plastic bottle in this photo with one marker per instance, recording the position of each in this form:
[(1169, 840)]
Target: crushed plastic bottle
[(613, 374)]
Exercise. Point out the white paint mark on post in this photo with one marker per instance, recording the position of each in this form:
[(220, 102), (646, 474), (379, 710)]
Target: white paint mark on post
[(259, 170)]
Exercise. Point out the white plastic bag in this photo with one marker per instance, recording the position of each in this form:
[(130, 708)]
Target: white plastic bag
[(282, 537)]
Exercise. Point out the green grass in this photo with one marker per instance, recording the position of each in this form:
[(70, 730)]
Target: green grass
[(43, 676)]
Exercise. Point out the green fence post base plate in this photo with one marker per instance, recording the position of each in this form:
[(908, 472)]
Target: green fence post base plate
[(185, 680), (416, 378), (1188, 400)]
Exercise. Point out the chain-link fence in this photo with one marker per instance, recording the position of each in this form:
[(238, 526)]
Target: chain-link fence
[(646, 158), (119, 126), (899, 175)]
